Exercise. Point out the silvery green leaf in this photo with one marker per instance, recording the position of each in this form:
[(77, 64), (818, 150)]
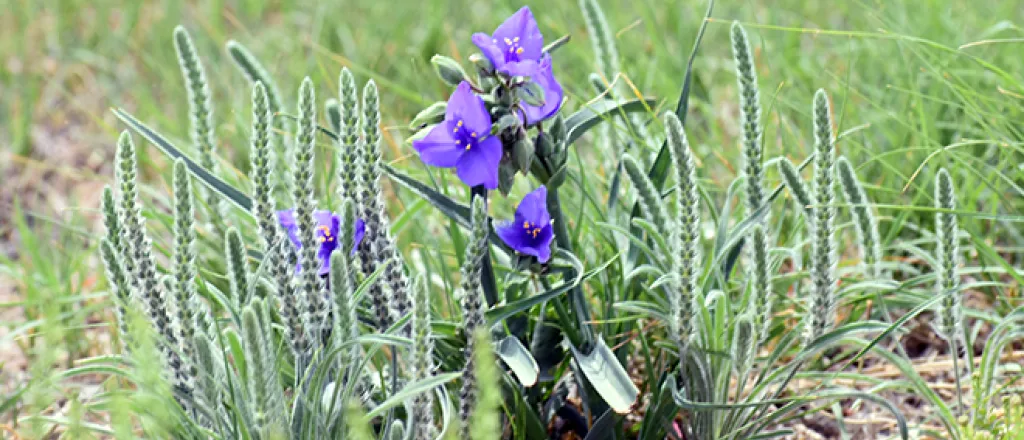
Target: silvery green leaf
[(531, 93), (608, 377), (519, 360), (422, 133), (448, 69), (522, 154), (229, 192), (594, 113), (430, 115)]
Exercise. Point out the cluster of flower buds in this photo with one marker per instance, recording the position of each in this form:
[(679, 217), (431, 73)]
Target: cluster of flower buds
[(484, 129)]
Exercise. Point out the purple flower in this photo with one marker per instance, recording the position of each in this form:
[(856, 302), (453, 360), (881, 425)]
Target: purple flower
[(463, 140), (327, 228), (530, 233), (516, 45), (553, 94)]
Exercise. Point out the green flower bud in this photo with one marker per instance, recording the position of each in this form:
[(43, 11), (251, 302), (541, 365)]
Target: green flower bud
[(430, 115), (544, 145), (522, 154), (531, 93), (448, 69), (483, 65), (558, 130), (506, 177)]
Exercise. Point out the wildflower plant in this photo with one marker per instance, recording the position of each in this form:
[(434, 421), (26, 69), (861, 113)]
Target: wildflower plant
[(569, 311)]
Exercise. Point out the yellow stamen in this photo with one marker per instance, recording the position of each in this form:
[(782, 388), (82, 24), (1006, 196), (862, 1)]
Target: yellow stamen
[(473, 134), (519, 51), (515, 40), (526, 225), (507, 41), (459, 123)]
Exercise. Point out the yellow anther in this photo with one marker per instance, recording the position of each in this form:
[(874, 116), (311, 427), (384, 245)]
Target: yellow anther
[(459, 123), (508, 41), (473, 134), (526, 225), (515, 40), (467, 146), (519, 51)]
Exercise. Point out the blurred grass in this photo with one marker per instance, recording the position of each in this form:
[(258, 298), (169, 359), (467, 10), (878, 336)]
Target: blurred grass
[(908, 92)]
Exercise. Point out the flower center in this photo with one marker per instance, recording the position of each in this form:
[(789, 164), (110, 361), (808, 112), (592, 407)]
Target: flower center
[(531, 229), (513, 49), (463, 136), (325, 234)]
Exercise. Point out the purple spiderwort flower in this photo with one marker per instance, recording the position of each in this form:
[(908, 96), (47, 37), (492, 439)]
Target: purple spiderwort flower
[(516, 45), (328, 225), (553, 94), (463, 140), (530, 232)]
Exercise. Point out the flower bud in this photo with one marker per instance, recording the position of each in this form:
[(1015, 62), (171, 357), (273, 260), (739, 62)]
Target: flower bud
[(544, 145), (531, 93), (506, 177), (483, 65), (558, 130), (429, 115), (522, 154), (448, 69)]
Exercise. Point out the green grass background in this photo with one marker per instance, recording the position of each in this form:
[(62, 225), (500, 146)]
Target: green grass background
[(915, 84)]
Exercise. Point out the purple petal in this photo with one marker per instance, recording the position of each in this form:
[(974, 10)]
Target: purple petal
[(489, 47), (326, 248), (479, 165), (287, 220), (438, 147), (358, 234), (534, 207), (553, 94), (522, 28), (465, 106), (324, 217), (521, 68), (542, 245), (512, 234)]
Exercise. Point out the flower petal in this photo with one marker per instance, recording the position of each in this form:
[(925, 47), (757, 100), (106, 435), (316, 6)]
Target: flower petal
[(489, 48), (438, 147), (534, 207), (553, 94), (512, 234), (469, 108), (543, 244), (521, 68), (522, 28), (287, 220), (358, 234), (479, 165)]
